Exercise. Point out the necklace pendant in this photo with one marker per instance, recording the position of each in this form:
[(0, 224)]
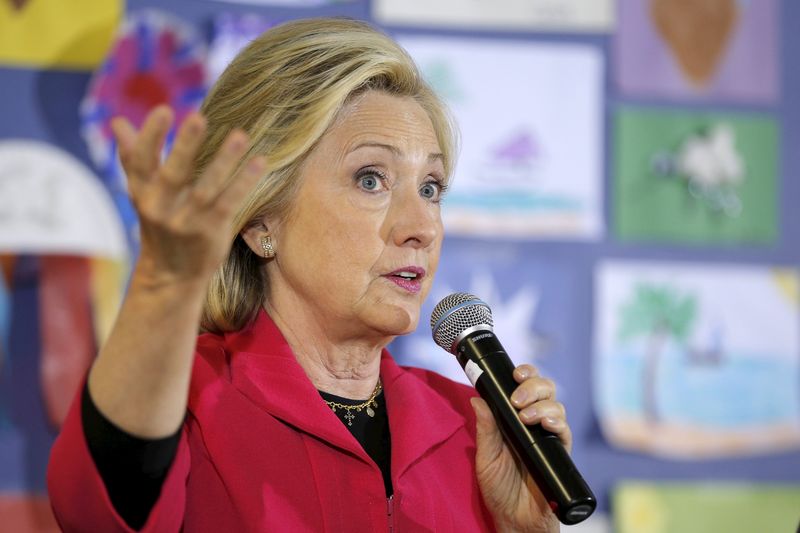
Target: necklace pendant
[(370, 412), (349, 416)]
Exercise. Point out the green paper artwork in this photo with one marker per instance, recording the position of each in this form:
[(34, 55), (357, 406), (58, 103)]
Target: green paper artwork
[(645, 507), (690, 177)]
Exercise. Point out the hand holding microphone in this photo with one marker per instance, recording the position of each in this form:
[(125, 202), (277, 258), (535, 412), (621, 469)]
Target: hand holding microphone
[(462, 325)]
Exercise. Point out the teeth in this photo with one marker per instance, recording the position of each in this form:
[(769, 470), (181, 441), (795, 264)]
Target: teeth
[(407, 275)]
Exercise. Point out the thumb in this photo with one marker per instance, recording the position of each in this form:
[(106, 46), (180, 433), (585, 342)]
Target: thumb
[(488, 437)]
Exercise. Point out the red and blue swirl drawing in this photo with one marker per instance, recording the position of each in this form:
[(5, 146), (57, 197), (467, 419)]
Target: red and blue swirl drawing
[(156, 59)]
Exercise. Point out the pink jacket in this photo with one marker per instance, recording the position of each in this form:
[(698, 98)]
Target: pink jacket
[(260, 451)]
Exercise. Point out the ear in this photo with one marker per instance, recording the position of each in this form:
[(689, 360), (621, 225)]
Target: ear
[(252, 237)]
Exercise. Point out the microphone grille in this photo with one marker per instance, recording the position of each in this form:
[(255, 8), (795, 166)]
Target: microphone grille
[(456, 313)]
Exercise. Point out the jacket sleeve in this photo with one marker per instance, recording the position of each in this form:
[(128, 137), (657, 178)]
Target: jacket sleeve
[(78, 495)]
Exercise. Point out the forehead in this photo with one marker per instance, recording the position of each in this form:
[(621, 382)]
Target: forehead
[(383, 117)]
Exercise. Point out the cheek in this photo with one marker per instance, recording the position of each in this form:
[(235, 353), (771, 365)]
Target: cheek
[(343, 250), (436, 250), (433, 267), (356, 234)]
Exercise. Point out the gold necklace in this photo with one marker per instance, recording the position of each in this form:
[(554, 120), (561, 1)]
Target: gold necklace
[(368, 404)]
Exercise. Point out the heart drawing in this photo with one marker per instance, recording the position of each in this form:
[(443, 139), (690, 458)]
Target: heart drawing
[(697, 33)]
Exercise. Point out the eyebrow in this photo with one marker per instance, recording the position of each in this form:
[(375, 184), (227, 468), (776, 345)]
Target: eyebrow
[(433, 156)]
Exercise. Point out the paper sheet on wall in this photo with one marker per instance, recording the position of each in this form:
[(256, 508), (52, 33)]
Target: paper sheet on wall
[(554, 15), (287, 3), (231, 33), (55, 33), (643, 507), (51, 203), (695, 177), (697, 361), (60, 233), (63, 270), (699, 50), (530, 117), (530, 301), (157, 58)]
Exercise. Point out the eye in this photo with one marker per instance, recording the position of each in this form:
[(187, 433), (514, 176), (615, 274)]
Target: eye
[(432, 190), (369, 180), (369, 183)]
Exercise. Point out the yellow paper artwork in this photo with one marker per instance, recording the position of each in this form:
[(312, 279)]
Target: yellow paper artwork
[(69, 34)]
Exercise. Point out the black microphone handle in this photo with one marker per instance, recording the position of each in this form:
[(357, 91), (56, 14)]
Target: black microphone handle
[(490, 369)]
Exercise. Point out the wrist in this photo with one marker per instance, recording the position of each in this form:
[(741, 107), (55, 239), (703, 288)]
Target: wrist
[(147, 276)]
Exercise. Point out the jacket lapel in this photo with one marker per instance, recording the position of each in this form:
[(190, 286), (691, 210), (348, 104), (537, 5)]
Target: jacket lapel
[(419, 418), (264, 369)]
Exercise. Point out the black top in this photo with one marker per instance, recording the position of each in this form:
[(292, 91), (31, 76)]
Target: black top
[(133, 469), (371, 432)]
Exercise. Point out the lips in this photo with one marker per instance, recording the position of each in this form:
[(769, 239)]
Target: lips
[(408, 278)]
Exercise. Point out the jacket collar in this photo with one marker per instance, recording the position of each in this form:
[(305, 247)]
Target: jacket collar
[(264, 369)]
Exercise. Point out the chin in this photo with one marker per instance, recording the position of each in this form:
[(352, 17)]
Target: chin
[(395, 320)]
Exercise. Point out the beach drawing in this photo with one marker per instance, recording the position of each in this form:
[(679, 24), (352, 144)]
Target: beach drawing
[(697, 362)]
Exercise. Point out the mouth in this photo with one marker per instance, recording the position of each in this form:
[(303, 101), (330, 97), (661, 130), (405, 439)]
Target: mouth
[(408, 278)]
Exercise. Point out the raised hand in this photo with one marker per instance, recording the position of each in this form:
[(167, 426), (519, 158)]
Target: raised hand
[(185, 220), (140, 379), (508, 490)]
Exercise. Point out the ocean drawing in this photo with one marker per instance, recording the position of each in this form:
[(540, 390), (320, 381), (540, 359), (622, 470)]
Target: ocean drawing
[(697, 361)]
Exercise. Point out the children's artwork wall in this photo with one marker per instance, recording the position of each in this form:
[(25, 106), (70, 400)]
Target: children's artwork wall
[(624, 200)]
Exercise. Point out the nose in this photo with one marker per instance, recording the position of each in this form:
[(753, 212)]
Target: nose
[(413, 220)]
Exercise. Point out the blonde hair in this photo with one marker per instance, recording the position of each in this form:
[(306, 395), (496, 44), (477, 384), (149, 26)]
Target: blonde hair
[(285, 90)]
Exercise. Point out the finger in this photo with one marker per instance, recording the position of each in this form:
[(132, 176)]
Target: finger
[(242, 184), (124, 133), (523, 372), (533, 390), (218, 173), (534, 414), (146, 154), (552, 416), (180, 162), (560, 428)]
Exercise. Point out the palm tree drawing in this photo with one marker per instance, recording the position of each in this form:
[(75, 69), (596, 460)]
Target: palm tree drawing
[(659, 313)]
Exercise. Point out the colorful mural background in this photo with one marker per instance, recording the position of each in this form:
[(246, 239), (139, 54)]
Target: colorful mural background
[(684, 164)]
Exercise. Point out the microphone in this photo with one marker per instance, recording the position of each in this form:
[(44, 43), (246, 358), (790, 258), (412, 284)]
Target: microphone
[(462, 324)]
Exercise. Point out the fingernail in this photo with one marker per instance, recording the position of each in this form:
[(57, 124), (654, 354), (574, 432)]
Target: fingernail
[(162, 118), (528, 414), (524, 373), (255, 165), (551, 421), (519, 396)]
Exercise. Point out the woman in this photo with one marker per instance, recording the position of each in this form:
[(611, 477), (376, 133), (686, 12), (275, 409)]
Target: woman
[(297, 223)]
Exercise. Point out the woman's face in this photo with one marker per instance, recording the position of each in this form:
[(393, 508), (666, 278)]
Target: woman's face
[(359, 248)]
